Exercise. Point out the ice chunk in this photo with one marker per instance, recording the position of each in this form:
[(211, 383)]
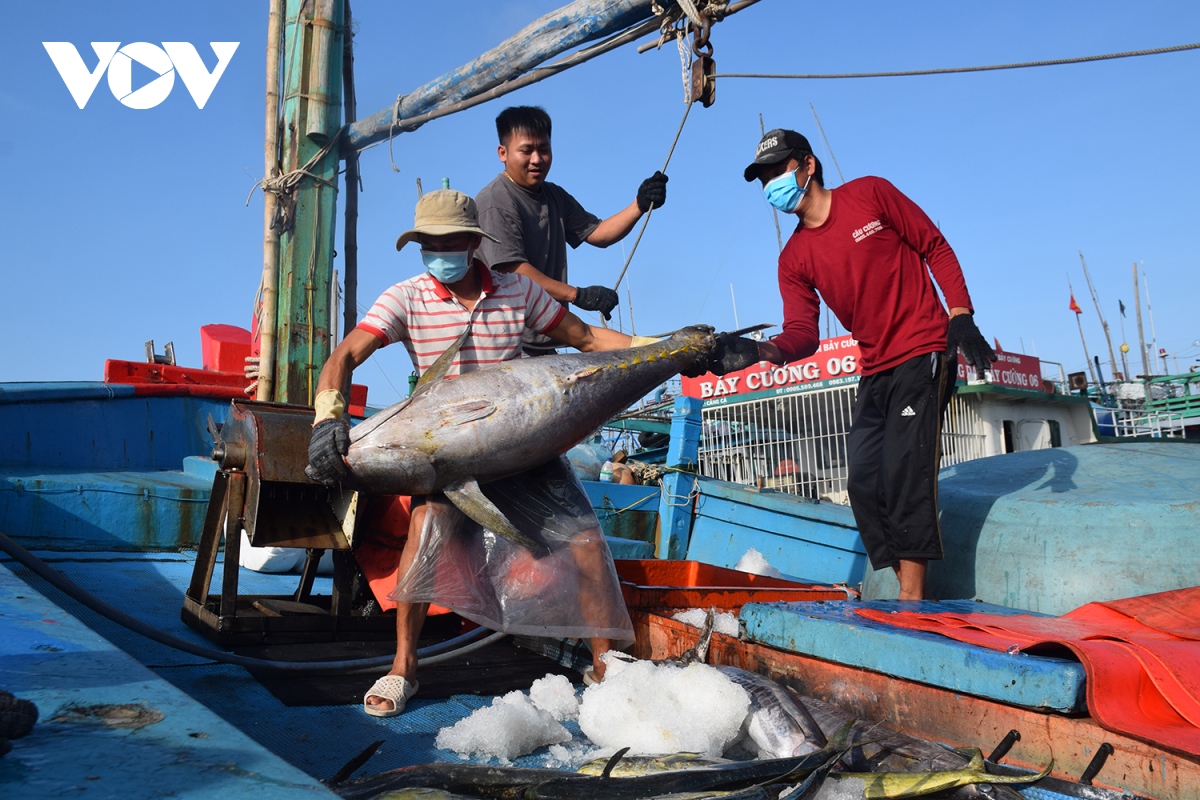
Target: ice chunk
[(754, 562), (511, 726), (725, 622), (569, 756), (556, 695), (656, 709)]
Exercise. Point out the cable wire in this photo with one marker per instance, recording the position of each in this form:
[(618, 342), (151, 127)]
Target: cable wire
[(953, 70), (427, 656)]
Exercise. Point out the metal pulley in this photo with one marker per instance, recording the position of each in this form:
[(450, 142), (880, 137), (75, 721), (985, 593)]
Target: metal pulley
[(704, 86)]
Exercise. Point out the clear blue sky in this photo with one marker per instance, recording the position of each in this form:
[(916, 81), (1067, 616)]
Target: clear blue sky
[(123, 225)]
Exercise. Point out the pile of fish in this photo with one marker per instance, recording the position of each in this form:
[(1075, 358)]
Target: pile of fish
[(806, 750)]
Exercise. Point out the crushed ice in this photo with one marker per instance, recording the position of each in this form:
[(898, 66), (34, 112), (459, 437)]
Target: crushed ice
[(724, 622), (555, 695), (511, 726), (656, 709), (756, 563)]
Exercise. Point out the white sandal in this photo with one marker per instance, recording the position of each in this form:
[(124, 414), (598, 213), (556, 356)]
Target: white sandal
[(396, 688)]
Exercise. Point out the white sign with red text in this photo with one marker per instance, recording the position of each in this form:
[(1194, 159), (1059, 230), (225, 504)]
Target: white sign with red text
[(835, 360), (1015, 370), (836, 364)]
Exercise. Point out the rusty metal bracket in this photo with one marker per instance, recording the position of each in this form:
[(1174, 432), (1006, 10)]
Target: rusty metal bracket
[(704, 87), (260, 489), (701, 46), (1097, 763)]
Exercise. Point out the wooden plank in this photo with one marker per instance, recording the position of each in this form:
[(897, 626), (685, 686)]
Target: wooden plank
[(944, 716)]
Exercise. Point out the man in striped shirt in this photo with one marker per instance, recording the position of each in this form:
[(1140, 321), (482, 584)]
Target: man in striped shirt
[(428, 313)]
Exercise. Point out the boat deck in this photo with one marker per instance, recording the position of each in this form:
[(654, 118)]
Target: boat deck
[(221, 729)]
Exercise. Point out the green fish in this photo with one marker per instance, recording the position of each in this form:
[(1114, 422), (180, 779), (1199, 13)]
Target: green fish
[(423, 793), (898, 785), (630, 766)]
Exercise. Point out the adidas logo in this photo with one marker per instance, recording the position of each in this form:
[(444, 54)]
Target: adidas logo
[(908, 412)]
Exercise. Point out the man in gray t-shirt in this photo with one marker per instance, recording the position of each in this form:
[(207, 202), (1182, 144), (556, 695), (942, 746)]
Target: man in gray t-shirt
[(535, 220)]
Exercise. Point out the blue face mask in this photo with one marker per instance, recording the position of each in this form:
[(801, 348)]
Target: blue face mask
[(447, 267), (784, 193)]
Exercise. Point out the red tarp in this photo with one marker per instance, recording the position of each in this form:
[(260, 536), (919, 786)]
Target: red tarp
[(1142, 656)]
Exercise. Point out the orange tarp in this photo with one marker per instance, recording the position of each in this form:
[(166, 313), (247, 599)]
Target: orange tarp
[(385, 525), (1142, 657)]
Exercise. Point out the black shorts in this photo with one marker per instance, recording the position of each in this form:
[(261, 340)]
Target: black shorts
[(893, 453)]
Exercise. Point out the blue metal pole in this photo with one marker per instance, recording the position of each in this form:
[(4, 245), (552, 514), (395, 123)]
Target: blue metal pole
[(675, 504), (570, 26)]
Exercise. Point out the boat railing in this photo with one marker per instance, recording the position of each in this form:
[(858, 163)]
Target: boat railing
[(1135, 422), (796, 443)]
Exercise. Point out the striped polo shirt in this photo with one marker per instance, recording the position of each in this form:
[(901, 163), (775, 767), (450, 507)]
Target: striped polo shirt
[(423, 314)]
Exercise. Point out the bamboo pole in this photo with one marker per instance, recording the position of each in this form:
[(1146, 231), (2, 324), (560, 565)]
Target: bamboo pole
[(1112, 358), (1141, 334), (1150, 314), (350, 245), (270, 277), (762, 131), (1079, 322), (1091, 371)]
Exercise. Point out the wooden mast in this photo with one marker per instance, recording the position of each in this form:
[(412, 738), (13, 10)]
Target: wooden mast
[(312, 114), (1112, 358), (1141, 335), (1079, 322), (269, 297)]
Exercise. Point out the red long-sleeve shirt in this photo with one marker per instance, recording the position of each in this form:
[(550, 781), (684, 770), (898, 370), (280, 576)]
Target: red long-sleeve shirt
[(868, 261)]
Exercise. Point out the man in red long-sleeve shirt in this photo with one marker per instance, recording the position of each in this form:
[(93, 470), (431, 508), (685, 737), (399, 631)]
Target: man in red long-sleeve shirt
[(868, 251)]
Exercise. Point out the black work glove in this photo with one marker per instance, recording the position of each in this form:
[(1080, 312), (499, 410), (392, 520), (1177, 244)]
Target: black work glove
[(963, 335), (652, 193), (732, 353), (597, 298), (330, 442)]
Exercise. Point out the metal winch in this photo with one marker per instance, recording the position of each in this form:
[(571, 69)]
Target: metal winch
[(260, 488)]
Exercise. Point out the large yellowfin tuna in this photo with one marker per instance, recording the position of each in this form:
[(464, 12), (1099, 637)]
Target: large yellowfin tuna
[(455, 433)]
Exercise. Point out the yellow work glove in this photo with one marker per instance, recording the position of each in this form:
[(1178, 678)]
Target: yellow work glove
[(329, 405), (641, 341)]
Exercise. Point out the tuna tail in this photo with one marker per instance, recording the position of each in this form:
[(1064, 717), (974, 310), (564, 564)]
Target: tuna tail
[(471, 500)]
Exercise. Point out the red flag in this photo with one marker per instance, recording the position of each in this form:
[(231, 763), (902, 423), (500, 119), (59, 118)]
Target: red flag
[(1075, 306)]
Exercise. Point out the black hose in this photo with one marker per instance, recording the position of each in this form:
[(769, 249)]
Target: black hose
[(427, 656)]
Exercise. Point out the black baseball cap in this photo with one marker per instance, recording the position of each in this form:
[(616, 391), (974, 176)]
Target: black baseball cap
[(774, 147)]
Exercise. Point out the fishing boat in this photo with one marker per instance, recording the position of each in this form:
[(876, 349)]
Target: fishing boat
[(156, 661)]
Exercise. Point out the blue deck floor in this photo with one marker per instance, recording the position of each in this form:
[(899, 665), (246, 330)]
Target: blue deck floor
[(315, 740)]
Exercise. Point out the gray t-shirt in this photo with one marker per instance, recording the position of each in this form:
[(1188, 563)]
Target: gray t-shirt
[(535, 227)]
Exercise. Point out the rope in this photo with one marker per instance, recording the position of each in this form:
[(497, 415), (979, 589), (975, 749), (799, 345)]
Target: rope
[(953, 70), (646, 221), (392, 130), (287, 182)]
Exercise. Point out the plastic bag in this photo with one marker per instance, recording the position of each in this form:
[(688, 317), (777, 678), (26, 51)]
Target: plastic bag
[(571, 593)]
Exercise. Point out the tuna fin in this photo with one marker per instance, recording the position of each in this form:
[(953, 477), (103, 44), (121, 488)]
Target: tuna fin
[(378, 418), (469, 411), (471, 500), (438, 369)]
